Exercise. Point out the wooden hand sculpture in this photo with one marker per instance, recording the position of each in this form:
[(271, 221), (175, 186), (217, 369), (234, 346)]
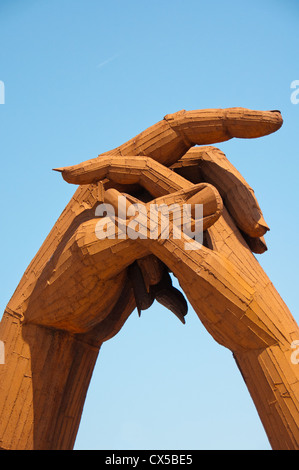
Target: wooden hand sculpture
[(78, 290)]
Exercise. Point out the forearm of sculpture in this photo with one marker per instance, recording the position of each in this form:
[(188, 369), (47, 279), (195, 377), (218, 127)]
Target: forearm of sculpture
[(51, 342), (40, 402), (43, 385), (243, 311)]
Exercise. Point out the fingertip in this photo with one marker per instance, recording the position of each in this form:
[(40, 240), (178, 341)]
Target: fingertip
[(245, 210), (256, 245), (278, 117), (246, 123), (73, 175), (58, 169), (69, 177), (260, 228)]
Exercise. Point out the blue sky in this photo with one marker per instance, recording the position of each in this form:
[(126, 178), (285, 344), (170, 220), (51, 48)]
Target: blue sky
[(83, 77)]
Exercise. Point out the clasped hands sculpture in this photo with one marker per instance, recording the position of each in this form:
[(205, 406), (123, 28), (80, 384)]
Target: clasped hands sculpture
[(78, 291)]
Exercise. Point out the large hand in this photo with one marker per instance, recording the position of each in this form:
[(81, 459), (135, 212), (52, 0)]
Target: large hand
[(63, 293), (71, 251), (174, 136), (230, 292), (83, 287), (171, 139)]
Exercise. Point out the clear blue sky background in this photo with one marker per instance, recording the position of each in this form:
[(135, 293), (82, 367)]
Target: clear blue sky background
[(82, 77)]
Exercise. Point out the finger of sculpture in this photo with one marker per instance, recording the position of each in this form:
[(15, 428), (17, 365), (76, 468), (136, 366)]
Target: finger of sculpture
[(210, 164), (152, 270), (153, 176), (129, 170), (169, 139), (201, 194), (256, 244), (144, 298), (208, 126), (162, 290), (170, 297)]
